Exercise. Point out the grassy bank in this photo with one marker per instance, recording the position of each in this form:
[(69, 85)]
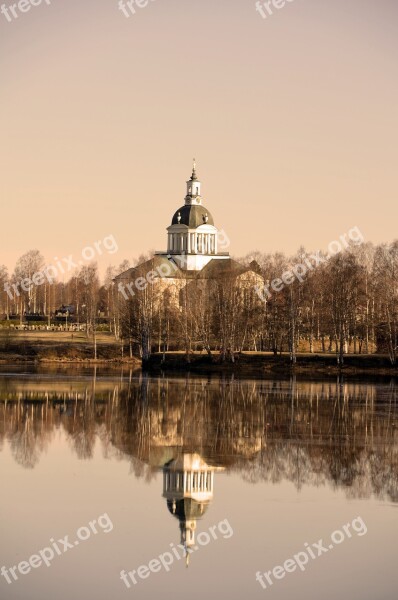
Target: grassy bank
[(65, 347)]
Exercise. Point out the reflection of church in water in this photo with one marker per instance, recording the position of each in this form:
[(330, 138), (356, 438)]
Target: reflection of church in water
[(188, 483)]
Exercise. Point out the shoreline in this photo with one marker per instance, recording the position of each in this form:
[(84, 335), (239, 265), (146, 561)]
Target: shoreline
[(247, 364), (266, 364)]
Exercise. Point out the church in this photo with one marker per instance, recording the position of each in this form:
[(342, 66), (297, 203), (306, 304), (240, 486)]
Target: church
[(195, 251), (192, 238)]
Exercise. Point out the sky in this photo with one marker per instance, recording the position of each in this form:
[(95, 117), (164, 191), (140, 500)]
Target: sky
[(292, 119)]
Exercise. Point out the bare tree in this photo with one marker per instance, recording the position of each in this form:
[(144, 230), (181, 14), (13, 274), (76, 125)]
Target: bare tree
[(344, 285), (28, 265), (88, 278), (386, 282), (4, 297)]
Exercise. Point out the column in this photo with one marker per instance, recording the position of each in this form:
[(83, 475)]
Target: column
[(189, 243)]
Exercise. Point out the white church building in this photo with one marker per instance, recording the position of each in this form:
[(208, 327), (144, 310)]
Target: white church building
[(192, 233), (195, 251)]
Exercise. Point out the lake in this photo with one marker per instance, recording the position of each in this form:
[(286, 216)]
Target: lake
[(118, 485)]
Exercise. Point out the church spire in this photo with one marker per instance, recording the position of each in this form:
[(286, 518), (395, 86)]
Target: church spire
[(193, 176), (193, 188)]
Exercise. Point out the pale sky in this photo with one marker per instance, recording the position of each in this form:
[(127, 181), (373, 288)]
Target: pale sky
[(293, 121)]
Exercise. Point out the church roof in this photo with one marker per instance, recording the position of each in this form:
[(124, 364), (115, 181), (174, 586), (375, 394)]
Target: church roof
[(187, 508), (222, 267), (192, 215), (168, 268)]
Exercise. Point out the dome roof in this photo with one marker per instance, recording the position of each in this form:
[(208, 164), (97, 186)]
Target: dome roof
[(187, 508), (193, 215)]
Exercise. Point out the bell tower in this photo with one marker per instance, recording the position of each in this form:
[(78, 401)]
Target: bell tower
[(192, 237), (193, 188)]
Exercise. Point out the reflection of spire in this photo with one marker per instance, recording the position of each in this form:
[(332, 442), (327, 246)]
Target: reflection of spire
[(188, 488)]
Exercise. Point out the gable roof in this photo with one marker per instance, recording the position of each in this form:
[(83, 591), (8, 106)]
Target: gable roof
[(222, 267), (164, 266), (167, 268)]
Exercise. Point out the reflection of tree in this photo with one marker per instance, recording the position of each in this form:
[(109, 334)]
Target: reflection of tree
[(29, 433), (80, 424), (23, 444), (314, 433), (343, 438)]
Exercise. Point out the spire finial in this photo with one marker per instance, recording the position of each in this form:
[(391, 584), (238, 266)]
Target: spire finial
[(193, 177)]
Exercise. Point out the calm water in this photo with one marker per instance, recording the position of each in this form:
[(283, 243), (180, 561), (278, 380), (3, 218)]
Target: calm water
[(195, 485)]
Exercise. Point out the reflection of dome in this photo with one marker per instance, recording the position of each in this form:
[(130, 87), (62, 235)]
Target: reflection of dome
[(187, 508), (192, 215), (188, 490)]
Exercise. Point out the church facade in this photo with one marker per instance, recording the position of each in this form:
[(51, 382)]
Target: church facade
[(195, 253)]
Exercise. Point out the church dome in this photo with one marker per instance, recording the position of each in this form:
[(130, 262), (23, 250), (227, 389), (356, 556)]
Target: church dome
[(187, 508), (193, 216)]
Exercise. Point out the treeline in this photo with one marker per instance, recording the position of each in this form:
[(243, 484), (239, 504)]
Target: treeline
[(346, 303), (83, 289)]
